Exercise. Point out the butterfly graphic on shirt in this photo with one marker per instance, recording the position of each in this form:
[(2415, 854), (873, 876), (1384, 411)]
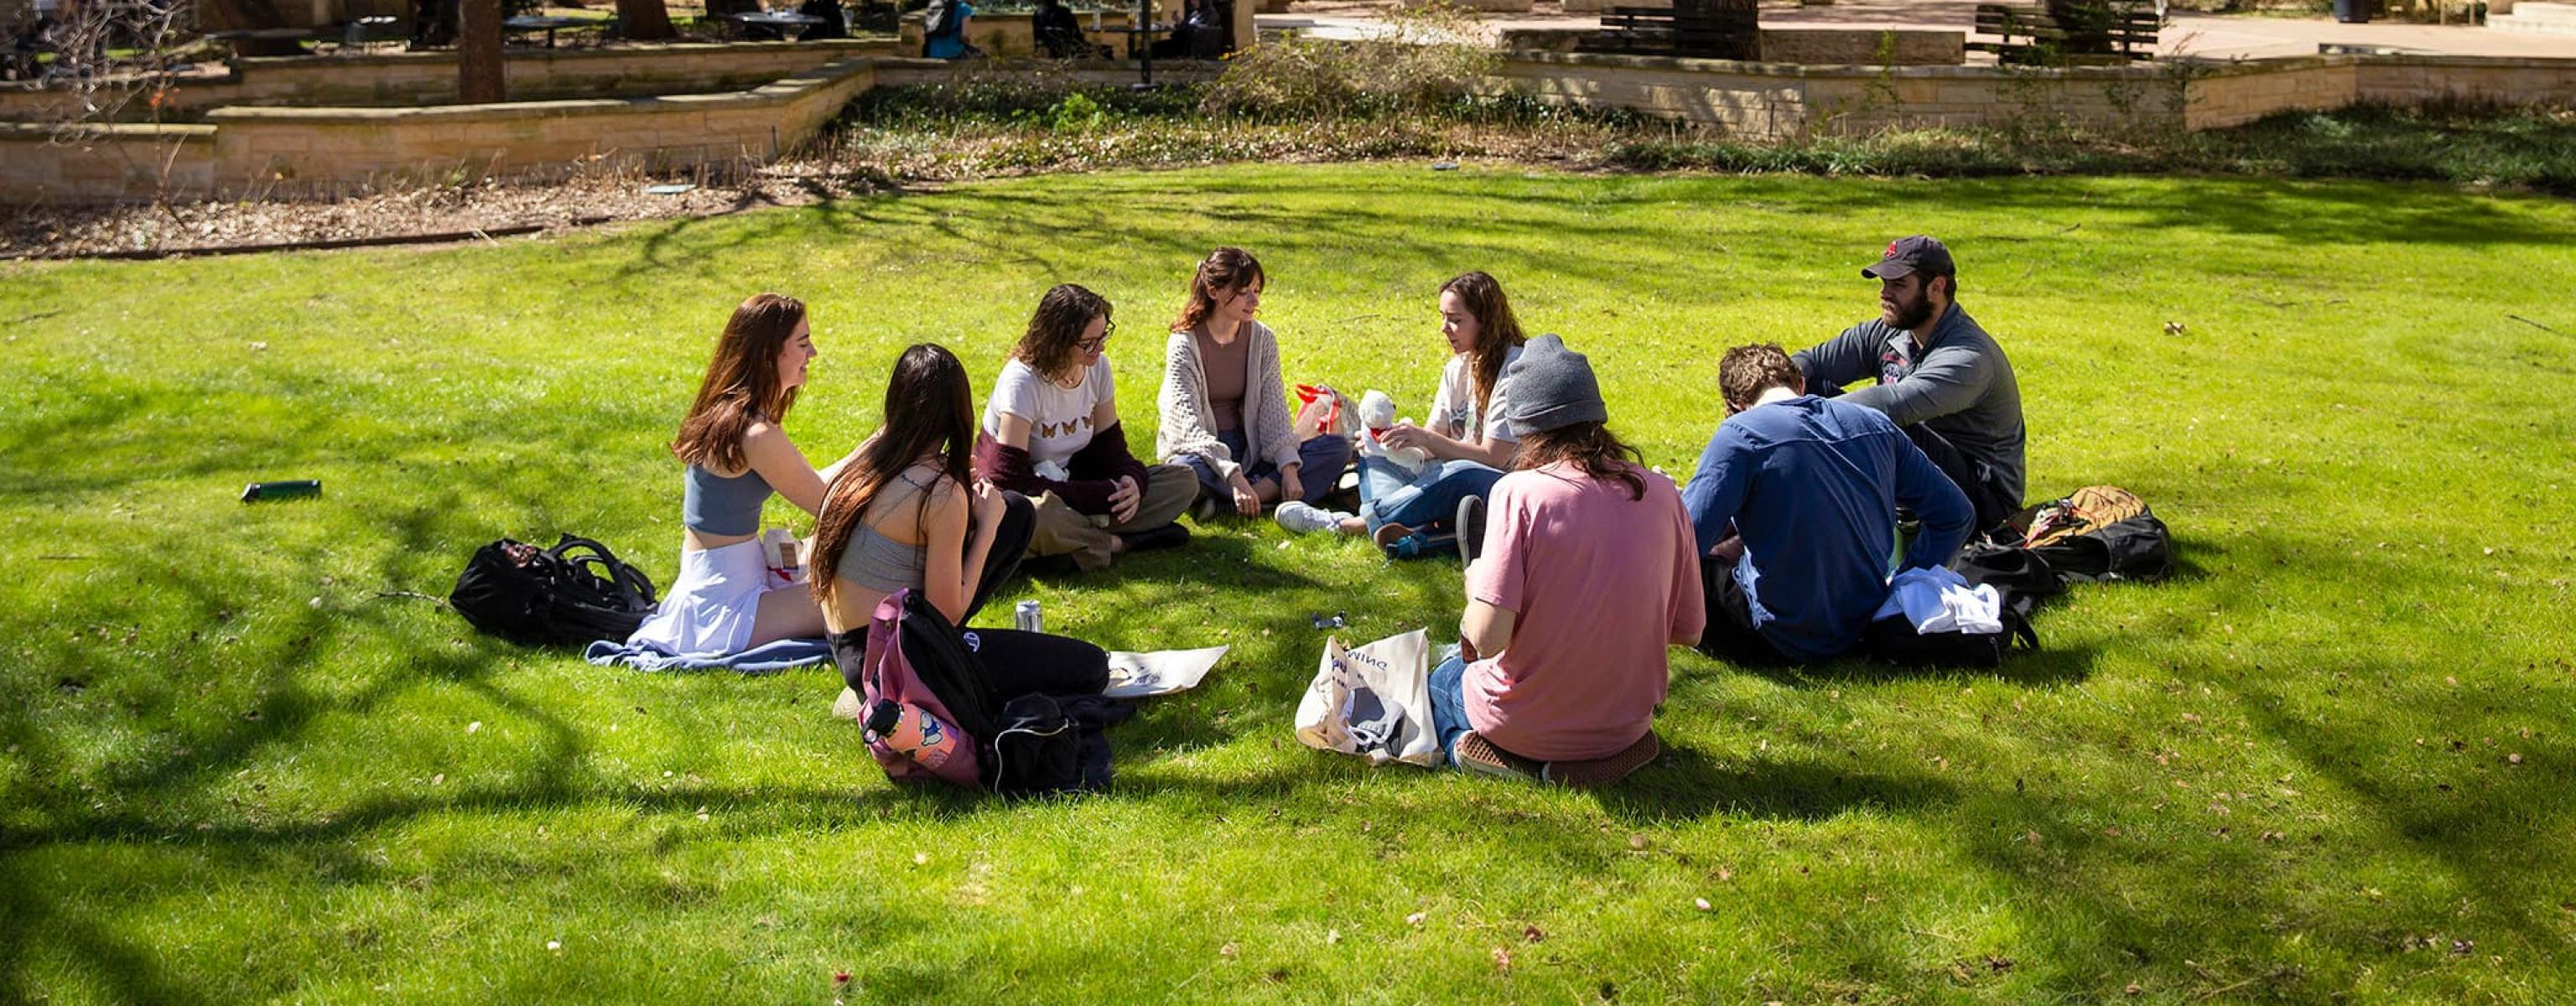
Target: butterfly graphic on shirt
[(1050, 431)]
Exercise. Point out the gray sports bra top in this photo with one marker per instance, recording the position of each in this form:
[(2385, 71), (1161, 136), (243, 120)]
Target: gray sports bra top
[(714, 504), (883, 564)]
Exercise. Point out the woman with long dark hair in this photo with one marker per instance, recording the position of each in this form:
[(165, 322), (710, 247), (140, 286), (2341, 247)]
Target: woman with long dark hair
[(907, 513), (1051, 433), (1587, 574), (736, 455), (1466, 437), (1225, 406)]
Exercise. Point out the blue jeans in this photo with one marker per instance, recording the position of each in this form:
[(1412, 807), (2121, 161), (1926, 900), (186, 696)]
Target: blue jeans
[(1388, 496), (1320, 461), (1449, 706)]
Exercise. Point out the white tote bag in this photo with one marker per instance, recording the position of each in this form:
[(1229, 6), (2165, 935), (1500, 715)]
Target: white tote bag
[(1374, 701)]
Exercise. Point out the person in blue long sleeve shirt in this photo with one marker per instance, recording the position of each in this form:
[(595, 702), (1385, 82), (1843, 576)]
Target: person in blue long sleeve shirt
[(1794, 512)]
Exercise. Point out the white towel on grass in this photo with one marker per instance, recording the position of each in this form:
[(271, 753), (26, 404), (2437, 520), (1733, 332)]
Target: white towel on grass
[(1940, 600)]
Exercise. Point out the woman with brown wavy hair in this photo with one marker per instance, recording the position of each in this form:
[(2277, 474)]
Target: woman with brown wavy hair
[(1418, 512), (907, 513), (1051, 433), (736, 455), (1225, 406)]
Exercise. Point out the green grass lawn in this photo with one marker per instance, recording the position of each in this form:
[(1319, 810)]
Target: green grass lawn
[(2329, 760)]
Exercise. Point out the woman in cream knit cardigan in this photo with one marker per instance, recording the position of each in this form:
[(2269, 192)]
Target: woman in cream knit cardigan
[(1225, 409)]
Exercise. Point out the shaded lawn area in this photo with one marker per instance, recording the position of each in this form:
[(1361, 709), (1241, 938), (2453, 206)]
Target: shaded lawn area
[(2328, 760)]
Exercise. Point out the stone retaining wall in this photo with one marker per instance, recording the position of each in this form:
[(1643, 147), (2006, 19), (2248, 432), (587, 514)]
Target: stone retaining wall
[(320, 149), (401, 79), (1773, 101)]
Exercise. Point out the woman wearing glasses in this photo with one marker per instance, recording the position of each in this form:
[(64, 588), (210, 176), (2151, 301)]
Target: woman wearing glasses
[(1051, 434)]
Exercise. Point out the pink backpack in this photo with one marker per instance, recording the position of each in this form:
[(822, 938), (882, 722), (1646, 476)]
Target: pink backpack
[(925, 710)]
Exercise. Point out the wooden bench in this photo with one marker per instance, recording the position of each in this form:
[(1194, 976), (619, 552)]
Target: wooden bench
[(1687, 28), (2071, 32)]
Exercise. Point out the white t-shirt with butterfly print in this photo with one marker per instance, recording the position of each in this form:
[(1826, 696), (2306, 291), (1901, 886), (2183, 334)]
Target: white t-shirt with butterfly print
[(1059, 417)]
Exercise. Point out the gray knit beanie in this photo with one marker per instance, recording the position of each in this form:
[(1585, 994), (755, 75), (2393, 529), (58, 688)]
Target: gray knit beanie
[(1553, 386)]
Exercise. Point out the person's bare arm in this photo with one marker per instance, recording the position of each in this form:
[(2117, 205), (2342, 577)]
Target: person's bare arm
[(783, 466), (1486, 629)]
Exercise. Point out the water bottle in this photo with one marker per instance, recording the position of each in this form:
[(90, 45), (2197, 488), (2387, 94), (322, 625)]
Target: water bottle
[(910, 731)]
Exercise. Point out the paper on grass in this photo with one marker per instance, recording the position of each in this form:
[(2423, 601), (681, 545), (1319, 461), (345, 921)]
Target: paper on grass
[(1162, 672)]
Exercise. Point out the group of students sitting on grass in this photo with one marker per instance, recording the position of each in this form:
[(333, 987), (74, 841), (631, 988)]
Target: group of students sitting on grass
[(1583, 564)]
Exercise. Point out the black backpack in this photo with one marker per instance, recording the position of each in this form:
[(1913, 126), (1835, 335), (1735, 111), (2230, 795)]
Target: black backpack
[(568, 595), (2098, 533), (1038, 749)]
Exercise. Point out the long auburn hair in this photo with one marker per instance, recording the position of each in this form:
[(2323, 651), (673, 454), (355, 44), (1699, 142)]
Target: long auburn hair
[(742, 384), (1497, 331), (1590, 446), (929, 412), (1047, 346), (1227, 268)]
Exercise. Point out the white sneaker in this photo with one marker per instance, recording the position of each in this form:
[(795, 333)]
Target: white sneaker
[(1305, 518)]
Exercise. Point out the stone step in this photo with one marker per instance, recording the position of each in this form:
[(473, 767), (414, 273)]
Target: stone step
[(2544, 18)]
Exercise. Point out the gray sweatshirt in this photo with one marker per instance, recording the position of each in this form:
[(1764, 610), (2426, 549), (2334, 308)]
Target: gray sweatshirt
[(1960, 386)]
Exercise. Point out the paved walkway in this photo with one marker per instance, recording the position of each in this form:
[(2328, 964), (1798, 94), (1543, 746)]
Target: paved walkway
[(2203, 35)]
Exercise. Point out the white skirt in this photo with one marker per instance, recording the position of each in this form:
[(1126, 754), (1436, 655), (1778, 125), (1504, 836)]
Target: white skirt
[(709, 610)]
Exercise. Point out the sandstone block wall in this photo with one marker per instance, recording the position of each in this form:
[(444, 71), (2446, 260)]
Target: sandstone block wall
[(375, 80)]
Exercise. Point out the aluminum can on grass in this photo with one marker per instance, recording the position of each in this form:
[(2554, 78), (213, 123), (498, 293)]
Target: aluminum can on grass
[(1027, 617)]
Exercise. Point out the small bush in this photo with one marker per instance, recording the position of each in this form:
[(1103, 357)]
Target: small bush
[(1430, 54)]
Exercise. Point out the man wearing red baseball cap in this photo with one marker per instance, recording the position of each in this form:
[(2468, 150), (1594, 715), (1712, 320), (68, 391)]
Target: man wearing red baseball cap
[(1940, 377)]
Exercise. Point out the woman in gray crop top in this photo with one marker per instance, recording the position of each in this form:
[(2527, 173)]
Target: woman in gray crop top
[(736, 455), (909, 514)]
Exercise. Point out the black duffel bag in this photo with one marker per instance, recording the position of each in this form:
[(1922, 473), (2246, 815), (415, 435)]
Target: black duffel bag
[(569, 595)]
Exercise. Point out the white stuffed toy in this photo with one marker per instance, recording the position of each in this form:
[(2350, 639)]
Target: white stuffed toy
[(1377, 415)]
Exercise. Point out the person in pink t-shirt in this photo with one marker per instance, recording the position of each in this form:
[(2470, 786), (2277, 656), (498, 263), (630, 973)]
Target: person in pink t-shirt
[(1587, 574)]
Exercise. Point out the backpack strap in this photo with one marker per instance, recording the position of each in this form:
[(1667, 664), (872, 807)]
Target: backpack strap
[(635, 588)]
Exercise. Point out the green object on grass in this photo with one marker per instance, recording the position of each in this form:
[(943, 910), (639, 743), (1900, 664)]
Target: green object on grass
[(260, 492)]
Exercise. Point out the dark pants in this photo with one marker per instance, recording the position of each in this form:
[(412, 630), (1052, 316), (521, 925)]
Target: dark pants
[(1320, 460), (1017, 663), (1974, 477), (1730, 635)]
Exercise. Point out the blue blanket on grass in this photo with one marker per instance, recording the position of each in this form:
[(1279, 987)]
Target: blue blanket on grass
[(769, 658)]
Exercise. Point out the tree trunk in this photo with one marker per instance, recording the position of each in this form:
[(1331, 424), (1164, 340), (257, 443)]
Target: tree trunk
[(2087, 24), (1742, 21), (644, 20), (478, 52)]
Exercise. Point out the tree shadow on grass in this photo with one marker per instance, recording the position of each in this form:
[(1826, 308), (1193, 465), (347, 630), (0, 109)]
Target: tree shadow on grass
[(1684, 784)]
